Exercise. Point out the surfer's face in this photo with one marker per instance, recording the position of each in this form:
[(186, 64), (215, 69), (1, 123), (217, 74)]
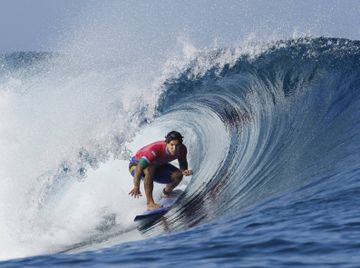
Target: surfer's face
[(173, 146)]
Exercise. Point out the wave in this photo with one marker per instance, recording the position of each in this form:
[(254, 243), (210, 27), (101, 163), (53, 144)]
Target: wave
[(260, 122), (289, 119)]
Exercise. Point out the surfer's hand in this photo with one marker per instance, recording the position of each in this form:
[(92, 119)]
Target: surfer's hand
[(187, 172), (135, 192)]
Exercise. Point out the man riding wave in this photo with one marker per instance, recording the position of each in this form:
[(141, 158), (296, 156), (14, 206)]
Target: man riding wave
[(151, 163)]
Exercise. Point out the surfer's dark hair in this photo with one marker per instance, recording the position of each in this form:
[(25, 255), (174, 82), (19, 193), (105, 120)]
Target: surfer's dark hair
[(173, 135)]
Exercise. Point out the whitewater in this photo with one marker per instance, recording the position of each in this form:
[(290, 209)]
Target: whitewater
[(273, 138)]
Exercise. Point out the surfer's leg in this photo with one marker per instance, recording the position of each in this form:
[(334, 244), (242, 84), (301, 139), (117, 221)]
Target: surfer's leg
[(149, 185), (176, 178)]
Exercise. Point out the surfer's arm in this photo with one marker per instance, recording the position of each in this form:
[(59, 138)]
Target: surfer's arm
[(135, 191), (183, 164), (137, 177), (143, 163)]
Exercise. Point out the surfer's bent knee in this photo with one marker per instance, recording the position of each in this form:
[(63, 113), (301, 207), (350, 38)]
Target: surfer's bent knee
[(177, 175)]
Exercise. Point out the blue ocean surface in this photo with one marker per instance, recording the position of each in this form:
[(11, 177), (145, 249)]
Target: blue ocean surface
[(273, 139)]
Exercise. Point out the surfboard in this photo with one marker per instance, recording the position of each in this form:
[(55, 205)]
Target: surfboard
[(166, 202)]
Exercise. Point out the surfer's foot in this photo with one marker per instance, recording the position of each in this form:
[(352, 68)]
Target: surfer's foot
[(153, 206)]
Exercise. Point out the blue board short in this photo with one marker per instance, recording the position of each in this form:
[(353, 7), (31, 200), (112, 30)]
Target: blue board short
[(162, 172)]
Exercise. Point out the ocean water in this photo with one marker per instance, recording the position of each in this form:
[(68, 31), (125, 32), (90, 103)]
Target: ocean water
[(272, 131)]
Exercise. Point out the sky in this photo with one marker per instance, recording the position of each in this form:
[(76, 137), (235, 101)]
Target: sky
[(42, 25), (29, 25)]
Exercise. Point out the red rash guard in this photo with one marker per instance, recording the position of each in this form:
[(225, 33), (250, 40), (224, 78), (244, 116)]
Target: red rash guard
[(156, 153)]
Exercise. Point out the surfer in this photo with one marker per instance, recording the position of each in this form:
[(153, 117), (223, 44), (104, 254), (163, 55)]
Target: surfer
[(151, 163)]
